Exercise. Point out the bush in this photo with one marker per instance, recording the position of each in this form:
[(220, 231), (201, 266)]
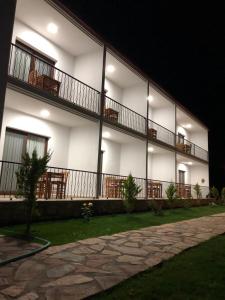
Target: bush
[(214, 193), (28, 175), (156, 207), (198, 191), (223, 195), (171, 193), (129, 191), (87, 211)]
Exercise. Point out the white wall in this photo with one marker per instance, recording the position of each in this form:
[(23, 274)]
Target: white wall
[(88, 68), (198, 173), (187, 171), (132, 159), (114, 91), (200, 138), (58, 135), (135, 97), (111, 157), (64, 60), (162, 166), (83, 148), (164, 116)]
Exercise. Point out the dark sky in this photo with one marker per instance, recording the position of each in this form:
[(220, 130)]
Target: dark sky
[(180, 44)]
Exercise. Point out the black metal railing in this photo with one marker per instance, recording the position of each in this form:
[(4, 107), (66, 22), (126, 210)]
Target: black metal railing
[(190, 148), (29, 68), (69, 184), (160, 133), (119, 114)]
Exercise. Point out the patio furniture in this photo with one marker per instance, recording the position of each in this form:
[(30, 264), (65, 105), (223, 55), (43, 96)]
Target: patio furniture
[(44, 82), (52, 185), (184, 148), (152, 133), (154, 189), (183, 190), (111, 114), (113, 187)]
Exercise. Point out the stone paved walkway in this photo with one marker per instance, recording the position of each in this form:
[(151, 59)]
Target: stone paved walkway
[(12, 247), (77, 270)]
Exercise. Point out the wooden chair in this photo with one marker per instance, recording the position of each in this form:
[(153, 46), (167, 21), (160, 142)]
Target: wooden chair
[(32, 78), (58, 185)]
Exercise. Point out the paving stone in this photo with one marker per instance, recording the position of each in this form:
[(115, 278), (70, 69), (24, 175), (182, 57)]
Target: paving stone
[(107, 282), (68, 256), (2, 297), (134, 260), (29, 269), (3, 281), (97, 247), (68, 280), (60, 271), (129, 250), (13, 291), (111, 253), (130, 244), (29, 296), (92, 241), (83, 250)]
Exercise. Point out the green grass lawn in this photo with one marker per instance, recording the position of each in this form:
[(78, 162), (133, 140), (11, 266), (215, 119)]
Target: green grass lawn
[(196, 274), (61, 232)]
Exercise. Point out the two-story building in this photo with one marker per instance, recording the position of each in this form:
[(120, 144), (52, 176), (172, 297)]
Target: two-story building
[(70, 93)]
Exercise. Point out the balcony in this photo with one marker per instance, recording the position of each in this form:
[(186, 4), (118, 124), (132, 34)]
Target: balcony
[(190, 148), (52, 81), (71, 184), (157, 132)]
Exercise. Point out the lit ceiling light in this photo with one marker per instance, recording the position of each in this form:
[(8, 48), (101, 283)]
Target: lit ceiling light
[(106, 134), (110, 68), (52, 28), (150, 149), (188, 126), (150, 98), (190, 163), (44, 113)]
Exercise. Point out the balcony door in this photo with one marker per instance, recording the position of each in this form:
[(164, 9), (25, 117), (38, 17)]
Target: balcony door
[(17, 143), (181, 177)]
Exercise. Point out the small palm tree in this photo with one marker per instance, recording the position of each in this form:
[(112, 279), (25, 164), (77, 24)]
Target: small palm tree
[(198, 191), (129, 191), (32, 168)]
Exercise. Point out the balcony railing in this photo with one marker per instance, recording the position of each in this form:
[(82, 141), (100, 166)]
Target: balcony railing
[(69, 184), (190, 148), (160, 133), (117, 113), (32, 70)]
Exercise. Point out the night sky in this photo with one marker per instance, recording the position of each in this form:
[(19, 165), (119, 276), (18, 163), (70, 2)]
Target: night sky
[(180, 44)]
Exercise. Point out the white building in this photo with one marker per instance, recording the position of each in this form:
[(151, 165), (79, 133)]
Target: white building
[(70, 93)]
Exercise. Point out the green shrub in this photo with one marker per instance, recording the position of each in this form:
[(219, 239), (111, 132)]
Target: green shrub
[(129, 191), (87, 211), (214, 193), (28, 175), (223, 195), (171, 193), (198, 191), (156, 207)]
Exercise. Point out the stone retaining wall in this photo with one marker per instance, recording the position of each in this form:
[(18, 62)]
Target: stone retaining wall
[(13, 212)]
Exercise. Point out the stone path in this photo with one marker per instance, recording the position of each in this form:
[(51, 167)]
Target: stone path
[(77, 270), (12, 247)]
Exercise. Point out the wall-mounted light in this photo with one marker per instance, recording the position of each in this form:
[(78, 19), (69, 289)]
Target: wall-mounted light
[(44, 113), (52, 28), (106, 134), (150, 98), (110, 68)]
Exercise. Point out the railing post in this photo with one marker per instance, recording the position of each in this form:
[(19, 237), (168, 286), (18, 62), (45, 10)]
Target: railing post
[(6, 25), (102, 103), (146, 175)]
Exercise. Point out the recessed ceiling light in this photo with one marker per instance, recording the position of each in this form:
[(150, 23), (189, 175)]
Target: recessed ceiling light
[(106, 134), (52, 28), (150, 149), (44, 113), (150, 98), (190, 163), (188, 126), (110, 68)]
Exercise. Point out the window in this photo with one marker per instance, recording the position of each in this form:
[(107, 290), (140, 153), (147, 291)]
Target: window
[(28, 60)]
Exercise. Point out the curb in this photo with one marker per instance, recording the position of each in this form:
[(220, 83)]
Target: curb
[(30, 253)]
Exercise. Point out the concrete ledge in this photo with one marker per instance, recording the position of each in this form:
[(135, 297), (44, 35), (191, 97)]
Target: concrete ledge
[(13, 212)]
